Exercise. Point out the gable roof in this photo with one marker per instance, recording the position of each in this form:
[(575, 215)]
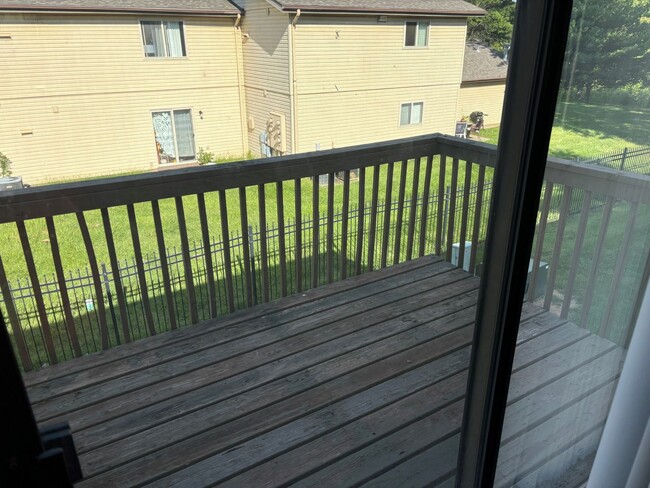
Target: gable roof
[(389, 7), (482, 63), (188, 7)]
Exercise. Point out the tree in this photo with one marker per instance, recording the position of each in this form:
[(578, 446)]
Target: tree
[(608, 46), (495, 29)]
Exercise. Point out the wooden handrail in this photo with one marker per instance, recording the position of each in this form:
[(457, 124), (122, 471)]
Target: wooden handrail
[(67, 198)]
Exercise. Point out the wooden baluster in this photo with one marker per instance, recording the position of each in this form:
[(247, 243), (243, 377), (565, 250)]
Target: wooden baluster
[(441, 204), (297, 190), (361, 215), (425, 206), (207, 252), (552, 272), (117, 280), (452, 209), (281, 238), (94, 269), (388, 202), (591, 281), (541, 233), (16, 329), (400, 212), (164, 265), (137, 251), (261, 200), (465, 214), (575, 258), (414, 209), (187, 261), (315, 252), (330, 227), (373, 218), (243, 215), (477, 218), (63, 289), (225, 238), (344, 223), (38, 295), (618, 270)]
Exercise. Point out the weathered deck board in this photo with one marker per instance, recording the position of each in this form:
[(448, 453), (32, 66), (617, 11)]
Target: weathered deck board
[(358, 382)]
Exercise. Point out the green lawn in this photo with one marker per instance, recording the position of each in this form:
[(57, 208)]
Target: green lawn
[(74, 256), (584, 131)]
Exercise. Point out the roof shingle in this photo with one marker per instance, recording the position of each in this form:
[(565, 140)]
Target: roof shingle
[(421, 7), (192, 7), (482, 63)]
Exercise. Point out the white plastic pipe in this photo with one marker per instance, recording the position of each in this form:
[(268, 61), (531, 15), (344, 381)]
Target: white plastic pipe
[(628, 417)]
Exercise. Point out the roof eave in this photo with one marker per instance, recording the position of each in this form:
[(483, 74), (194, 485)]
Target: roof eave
[(124, 11), (364, 11), (482, 80)]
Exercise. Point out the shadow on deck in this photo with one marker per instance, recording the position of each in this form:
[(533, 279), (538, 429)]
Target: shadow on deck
[(358, 382)]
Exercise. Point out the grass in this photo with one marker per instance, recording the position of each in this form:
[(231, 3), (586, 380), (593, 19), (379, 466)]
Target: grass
[(583, 131), (73, 255)]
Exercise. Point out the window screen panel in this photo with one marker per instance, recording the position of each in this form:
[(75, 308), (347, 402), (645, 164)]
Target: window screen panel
[(411, 33), (153, 39), (405, 114)]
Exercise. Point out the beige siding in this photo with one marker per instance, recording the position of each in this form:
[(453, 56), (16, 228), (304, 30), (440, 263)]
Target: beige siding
[(353, 73), (77, 93), (266, 68), (485, 97)]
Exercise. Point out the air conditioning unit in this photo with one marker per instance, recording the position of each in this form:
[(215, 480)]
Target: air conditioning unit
[(455, 253), (11, 183)]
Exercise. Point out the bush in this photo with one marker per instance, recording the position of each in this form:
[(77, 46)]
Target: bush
[(5, 164), (205, 157)]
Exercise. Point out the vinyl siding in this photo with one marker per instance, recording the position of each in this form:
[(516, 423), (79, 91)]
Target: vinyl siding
[(353, 73), (84, 91), (486, 97), (266, 68), (346, 119)]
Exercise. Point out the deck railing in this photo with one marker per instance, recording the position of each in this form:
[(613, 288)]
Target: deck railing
[(380, 204)]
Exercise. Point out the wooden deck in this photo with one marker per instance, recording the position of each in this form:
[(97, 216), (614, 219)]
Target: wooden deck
[(358, 382)]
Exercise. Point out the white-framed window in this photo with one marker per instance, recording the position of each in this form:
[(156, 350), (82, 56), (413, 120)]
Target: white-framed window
[(163, 39), (416, 34), (411, 113), (174, 135)]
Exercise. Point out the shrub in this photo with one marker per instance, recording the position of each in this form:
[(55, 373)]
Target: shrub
[(205, 157), (5, 164)]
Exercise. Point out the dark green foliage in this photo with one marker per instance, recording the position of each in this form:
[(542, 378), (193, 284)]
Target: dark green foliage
[(495, 29)]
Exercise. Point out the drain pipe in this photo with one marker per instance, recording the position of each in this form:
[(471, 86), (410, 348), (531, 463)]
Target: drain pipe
[(237, 20), (295, 18)]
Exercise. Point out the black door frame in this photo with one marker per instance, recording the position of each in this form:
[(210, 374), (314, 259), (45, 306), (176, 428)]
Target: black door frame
[(538, 47)]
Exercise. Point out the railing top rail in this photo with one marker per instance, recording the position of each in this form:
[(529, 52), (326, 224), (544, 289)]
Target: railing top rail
[(619, 184), (67, 198)]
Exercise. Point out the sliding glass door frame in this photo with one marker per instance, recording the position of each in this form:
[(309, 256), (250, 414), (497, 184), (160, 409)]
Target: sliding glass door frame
[(538, 47)]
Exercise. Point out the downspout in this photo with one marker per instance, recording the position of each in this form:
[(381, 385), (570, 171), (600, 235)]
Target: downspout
[(239, 53), (292, 83)]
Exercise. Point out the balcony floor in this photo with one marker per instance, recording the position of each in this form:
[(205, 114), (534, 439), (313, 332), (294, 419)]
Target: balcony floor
[(361, 381)]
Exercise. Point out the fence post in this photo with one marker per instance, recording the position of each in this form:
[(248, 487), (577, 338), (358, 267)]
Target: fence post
[(109, 297), (251, 247), (624, 156)]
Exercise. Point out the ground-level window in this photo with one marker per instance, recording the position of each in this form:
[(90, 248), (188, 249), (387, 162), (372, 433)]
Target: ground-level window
[(411, 113), (163, 39), (174, 135), (416, 34)]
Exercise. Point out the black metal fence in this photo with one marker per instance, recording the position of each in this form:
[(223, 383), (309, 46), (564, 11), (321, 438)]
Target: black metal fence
[(83, 299), (635, 160)]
